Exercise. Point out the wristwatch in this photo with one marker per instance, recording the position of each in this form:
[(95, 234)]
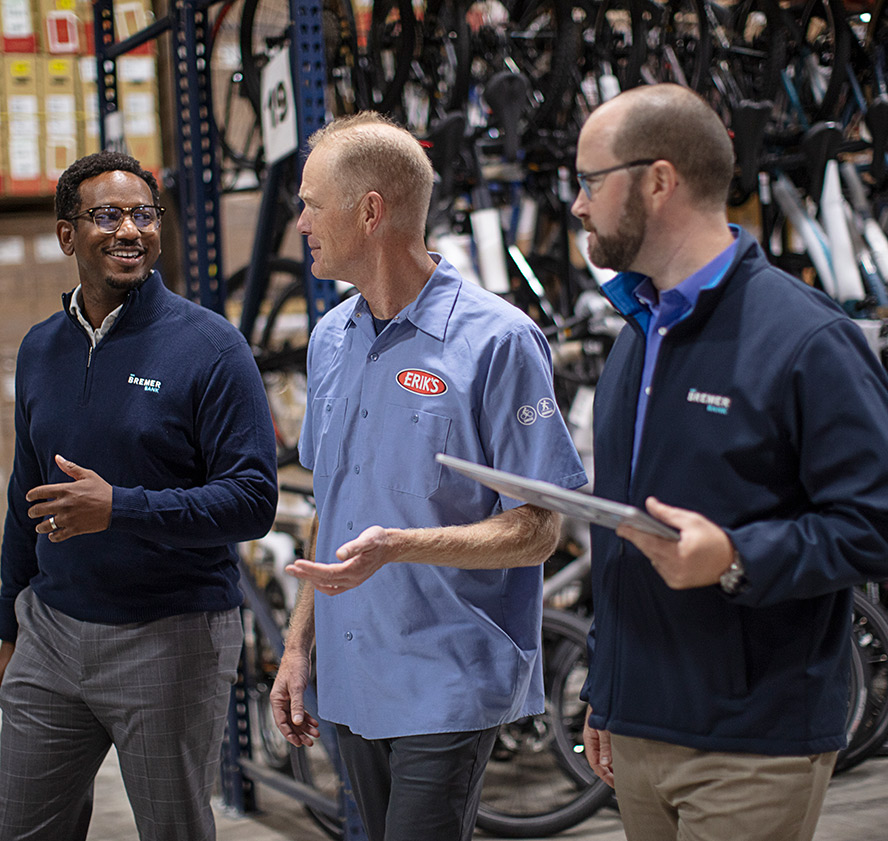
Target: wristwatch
[(733, 580)]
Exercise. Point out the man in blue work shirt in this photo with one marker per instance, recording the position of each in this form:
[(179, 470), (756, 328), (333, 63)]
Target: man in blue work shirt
[(440, 643), (746, 410)]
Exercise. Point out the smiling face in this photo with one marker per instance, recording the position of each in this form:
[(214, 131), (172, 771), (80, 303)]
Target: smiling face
[(110, 265)]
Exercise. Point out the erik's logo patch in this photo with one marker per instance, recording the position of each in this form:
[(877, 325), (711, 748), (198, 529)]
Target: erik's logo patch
[(147, 384)]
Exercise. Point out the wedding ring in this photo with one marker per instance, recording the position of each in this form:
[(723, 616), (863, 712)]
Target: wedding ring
[(52, 523)]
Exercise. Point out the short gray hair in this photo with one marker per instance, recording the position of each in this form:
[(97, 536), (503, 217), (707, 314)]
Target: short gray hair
[(373, 153)]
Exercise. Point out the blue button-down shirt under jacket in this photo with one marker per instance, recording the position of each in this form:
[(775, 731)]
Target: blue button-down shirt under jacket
[(420, 648)]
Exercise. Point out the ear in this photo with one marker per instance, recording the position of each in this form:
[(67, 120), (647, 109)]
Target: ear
[(372, 211), (662, 182), (65, 234)]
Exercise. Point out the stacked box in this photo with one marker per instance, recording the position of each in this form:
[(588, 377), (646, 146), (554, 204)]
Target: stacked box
[(88, 112), (22, 130), (62, 30), (49, 111), (137, 94), (60, 121), (17, 25)]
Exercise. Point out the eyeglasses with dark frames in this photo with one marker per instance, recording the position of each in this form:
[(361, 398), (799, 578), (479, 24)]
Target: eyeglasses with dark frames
[(591, 181), (108, 219)]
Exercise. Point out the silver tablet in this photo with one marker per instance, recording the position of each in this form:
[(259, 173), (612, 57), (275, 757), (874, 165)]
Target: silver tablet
[(583, 506)]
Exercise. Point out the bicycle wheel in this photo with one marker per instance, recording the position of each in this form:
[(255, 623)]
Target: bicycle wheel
[(678, 45), (391, 46), (438, 81), (238, 131), (265, 28), (281, 348), (817, 53), (870, 639), (314, 767), (538, 782), (535, 38), (749, 52), (274, 748)]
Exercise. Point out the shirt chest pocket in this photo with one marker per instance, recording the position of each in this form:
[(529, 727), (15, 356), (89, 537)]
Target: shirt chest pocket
[(328, 420), (406, 458)]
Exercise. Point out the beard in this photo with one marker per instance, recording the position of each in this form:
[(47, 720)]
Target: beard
[(618, 251), (126, 284)]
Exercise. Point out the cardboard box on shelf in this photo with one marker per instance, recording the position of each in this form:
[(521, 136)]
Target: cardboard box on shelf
[(130, 17), (88, 105), (17, 25), (60, 116), (137, 91), (61, 29), (22, 130)]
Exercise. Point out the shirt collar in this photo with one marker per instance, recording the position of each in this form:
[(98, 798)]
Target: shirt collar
[(96, 335), (430, 310), (633, 294)]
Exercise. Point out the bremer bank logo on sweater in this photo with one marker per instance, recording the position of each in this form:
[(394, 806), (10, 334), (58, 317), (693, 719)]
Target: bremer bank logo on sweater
[(713, 402), (148, 385)]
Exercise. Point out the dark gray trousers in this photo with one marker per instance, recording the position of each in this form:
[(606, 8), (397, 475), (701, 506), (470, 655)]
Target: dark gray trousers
[(418, 788), (158, 691)]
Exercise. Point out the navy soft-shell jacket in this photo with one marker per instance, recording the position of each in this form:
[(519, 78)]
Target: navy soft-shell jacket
[(769, 415)]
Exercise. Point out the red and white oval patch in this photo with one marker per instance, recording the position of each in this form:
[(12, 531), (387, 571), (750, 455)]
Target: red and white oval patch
[(421, 382)]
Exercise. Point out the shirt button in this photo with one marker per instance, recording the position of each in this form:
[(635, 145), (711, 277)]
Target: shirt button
[(328, 408), (647, 391), (374, 357), (363, 413), (349, 525), (357, 468), (348, 635), (415, 418), (662, 331)]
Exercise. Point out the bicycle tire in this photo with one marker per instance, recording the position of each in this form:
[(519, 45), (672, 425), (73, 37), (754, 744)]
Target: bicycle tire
[(392, 45), (678, 41), (818, 50), (870, 639), (235, 120), (749, 51), (281, 350), (313, 767), (274, 748), (439, 78), (538, 782)]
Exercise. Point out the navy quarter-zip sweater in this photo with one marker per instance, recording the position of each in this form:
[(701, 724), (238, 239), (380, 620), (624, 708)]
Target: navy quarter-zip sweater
[(169, 408), (768, 414)]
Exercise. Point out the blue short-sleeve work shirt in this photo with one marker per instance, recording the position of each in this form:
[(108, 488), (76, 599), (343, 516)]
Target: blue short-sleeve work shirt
[(420, 648)]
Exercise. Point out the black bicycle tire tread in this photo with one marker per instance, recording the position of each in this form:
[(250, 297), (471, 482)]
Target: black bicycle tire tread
[(582, 807), (867, 740)]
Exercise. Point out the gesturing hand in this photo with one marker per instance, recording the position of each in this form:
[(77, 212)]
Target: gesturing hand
[(360, 558), (71, 508)]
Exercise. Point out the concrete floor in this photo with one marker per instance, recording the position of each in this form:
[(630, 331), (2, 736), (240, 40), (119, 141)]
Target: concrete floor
[(856, 810)]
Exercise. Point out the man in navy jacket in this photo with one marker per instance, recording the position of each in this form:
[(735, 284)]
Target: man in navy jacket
[(746, 410), (144, 450)]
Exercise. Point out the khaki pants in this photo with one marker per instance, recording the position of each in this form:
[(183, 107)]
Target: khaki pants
[(672, 793)]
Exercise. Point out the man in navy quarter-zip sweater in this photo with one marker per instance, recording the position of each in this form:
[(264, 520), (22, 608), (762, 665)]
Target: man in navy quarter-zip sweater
[(144, 451), (746, 410)]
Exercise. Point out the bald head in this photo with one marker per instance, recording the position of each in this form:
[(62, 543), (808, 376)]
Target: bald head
[(669, 122), (369, 152)]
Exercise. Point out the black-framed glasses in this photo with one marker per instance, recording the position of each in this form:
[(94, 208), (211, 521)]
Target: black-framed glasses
[(591, 181), (108, 219)]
